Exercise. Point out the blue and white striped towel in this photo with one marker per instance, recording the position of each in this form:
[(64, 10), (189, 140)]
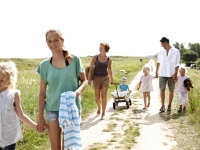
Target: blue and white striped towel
[(69, 121)]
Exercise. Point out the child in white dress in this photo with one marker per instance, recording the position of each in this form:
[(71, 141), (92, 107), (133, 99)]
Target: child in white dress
[(147, 87), (181, 89), (10, 108)]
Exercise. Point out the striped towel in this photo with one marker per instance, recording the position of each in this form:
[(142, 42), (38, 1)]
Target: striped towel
[(69, 121)]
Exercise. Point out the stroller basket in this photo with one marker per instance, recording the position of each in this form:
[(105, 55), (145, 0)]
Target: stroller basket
[(121, 96)]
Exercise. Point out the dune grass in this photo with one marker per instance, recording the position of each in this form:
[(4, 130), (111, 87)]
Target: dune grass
[(187, 124), (28, 84), (194, 102)]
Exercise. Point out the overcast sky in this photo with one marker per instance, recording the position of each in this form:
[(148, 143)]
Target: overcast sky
[(131, 27)]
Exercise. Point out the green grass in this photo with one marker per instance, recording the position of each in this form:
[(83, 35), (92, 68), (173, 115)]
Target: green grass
[(98, 146), (28, 84), (110, 127), (194, 94), (187, 124)]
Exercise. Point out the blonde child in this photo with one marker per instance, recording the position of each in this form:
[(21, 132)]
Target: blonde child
[(181, 89), (10, 108), (147, 87)]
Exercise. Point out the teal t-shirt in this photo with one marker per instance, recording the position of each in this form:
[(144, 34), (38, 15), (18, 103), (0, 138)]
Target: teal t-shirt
[(60, 80), (123, 87)]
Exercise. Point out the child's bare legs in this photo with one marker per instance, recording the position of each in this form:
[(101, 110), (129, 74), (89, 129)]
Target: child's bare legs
[(145, 100), (149, 98)]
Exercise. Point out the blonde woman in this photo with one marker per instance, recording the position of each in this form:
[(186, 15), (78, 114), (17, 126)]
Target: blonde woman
[(58, 74), (102, 77)]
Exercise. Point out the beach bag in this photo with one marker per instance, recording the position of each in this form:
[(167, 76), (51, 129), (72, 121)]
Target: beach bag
[(87, 69)]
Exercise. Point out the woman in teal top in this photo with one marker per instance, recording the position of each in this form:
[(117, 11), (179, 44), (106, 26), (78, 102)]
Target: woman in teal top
[(59, 74)]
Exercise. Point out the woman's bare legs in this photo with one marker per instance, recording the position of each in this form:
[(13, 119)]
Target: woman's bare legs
[(54, 132), (97, 99), (104, 100)]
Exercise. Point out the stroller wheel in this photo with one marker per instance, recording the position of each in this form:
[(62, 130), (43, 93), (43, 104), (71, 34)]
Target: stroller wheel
[(130, 102), (127, 104), (113, 105)]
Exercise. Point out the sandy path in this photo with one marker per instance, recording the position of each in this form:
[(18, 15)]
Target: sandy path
[(91, 129), (154, 132)]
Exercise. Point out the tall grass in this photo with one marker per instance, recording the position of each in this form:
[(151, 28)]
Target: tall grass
[(28, 84), (194, 96)]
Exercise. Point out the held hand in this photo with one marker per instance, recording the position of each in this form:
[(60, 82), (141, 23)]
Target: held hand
[(174, 77), (156, 75), (41, 125)]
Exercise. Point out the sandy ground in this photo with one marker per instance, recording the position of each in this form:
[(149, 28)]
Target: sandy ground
[(155, 134)]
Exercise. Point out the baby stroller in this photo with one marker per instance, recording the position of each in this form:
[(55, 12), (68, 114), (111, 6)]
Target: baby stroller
[(119, 97)]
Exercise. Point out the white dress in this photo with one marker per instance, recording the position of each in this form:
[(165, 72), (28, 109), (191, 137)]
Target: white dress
[(10, 130), (147, 83)]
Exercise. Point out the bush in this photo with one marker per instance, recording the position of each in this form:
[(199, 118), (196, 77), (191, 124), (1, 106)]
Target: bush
[(198, 63), (189, 56)]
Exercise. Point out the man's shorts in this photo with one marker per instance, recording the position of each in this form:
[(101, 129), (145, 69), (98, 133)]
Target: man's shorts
[(166, 80)]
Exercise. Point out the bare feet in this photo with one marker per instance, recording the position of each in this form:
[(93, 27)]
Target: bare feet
[(99, 111), (145, 108), (102, 116)]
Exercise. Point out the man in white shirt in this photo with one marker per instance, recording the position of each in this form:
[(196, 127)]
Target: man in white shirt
[(167, 65)]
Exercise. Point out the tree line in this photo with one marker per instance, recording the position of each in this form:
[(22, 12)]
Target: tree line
[(189, 54)]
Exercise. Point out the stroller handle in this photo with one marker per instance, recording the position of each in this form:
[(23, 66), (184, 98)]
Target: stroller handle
[(115, 83)]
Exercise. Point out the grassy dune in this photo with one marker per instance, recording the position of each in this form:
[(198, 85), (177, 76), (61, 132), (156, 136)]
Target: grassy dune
[(194, 102), (187, 125), (28, 83)]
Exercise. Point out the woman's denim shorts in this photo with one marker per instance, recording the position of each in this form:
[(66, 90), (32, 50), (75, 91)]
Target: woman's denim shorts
[(51, 116)]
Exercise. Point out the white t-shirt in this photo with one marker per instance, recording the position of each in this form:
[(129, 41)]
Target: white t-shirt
[(168, 63)]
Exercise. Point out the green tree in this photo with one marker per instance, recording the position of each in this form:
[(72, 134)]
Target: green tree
[(183, 50), (182, 46), (177, 45), (195, 47), (190, 56)]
